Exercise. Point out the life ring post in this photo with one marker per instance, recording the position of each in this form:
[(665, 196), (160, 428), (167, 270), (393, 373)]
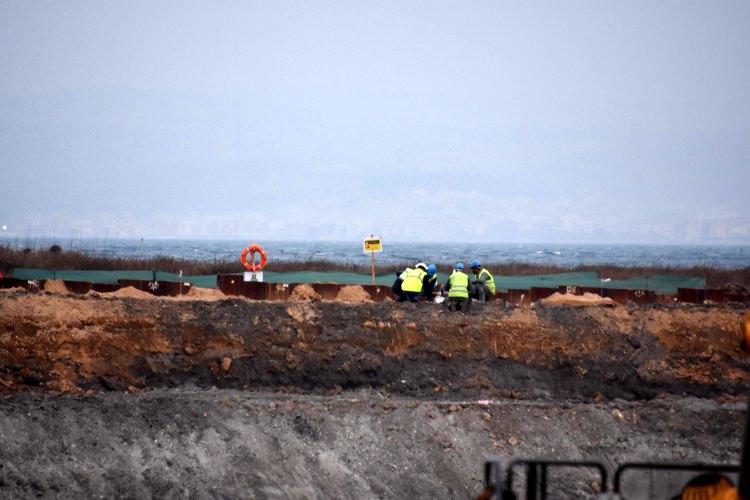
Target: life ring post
[(251, 264)]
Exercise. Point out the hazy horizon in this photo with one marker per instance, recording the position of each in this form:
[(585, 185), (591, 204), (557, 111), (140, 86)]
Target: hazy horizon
[(540, 122), (42, 240)]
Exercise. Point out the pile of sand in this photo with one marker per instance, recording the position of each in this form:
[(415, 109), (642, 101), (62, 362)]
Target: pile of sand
[(130, 292), (197, 293), (587, 299), (55, 286), (304, 292), (13, 289), (353, 293)]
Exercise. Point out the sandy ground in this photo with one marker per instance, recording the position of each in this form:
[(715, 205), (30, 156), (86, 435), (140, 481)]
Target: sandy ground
[(587, 299), (131, 397)]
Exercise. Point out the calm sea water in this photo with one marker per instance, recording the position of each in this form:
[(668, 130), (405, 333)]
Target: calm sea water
[(351, 252)]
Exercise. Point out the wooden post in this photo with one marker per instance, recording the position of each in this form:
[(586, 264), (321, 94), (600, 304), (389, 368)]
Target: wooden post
[(373, 267)]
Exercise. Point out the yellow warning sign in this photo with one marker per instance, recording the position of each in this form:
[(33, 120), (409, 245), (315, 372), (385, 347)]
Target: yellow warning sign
[(373, 244)]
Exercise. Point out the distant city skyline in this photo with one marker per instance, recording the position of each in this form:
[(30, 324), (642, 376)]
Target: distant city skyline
[(720, 229)]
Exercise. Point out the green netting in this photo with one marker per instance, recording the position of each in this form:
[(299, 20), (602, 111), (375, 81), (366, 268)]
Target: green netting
[(659, 284), (203, 281), (543, 280), (111, 277), (341, 278)]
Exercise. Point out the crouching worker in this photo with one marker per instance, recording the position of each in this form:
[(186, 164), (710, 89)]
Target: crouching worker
[(409, 284), (429, 282), (458, 289), (482, 282)]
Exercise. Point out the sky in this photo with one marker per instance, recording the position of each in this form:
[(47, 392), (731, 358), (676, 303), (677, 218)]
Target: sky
[(582, 122)]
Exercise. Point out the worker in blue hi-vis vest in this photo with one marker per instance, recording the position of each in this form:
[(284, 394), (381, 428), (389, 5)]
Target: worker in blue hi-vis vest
[(458, 289), (482, 282), (410, 283)]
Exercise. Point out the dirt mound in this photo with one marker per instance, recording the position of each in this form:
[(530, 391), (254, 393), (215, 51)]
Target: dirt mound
[(587, 299), (353, 293), (55, 286), (12, 289), (304, 292), (130, 292), (736, 289), (206, 293), (210, 294)]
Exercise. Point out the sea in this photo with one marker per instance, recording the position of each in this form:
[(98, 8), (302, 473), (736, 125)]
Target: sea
[(566, 255)]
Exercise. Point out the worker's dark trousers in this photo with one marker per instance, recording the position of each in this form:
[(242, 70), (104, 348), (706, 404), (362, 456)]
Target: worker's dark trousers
[(480, 291), (457, 304), (397, 287), (410, 296)]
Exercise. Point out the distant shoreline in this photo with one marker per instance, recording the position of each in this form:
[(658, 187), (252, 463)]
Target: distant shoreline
[(446, 253)]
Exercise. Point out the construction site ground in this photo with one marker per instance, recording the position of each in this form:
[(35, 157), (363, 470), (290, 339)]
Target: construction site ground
[(124, 395)]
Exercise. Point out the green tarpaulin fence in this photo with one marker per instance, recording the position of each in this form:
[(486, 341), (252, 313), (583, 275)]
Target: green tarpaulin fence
[(111, 277), (659, 283)]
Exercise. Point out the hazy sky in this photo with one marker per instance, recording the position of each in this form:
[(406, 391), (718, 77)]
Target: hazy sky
[(507, 121)]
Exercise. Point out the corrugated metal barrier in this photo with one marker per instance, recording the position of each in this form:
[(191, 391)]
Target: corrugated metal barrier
[(233, 285)]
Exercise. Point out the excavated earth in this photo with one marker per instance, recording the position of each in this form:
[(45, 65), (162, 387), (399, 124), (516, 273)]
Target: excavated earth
[(131, 397)]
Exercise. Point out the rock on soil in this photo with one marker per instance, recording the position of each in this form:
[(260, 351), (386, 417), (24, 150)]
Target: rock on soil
[(353, 293)]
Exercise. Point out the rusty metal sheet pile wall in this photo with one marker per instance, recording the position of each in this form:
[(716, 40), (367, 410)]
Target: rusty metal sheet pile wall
[(253, 290), (379, 293), (28, 285), (229, 284), (158, 288), (79, 287), (692, 295), (233, 285), (519, 296)]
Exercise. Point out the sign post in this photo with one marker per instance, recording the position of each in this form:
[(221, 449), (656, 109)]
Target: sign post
[(373, 244)]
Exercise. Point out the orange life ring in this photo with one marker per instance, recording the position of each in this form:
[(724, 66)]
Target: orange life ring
[(252, 265)]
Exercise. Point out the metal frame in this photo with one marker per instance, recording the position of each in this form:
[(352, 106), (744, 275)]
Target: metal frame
[(673, 466), (537, 479), (536, 476)]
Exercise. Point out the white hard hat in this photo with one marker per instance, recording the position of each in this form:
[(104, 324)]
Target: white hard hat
[(422, 265)]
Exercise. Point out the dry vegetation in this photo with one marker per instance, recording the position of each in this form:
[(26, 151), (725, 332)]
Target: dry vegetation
[(58, 259), (71, 259)]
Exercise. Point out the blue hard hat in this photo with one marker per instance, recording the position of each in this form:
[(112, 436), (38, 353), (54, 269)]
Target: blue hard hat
[(475, 263), (431, 269), (459, 266)]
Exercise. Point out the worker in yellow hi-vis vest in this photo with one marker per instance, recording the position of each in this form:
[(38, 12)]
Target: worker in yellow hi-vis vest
[(409, 283), (458, 289), (482, 282)]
